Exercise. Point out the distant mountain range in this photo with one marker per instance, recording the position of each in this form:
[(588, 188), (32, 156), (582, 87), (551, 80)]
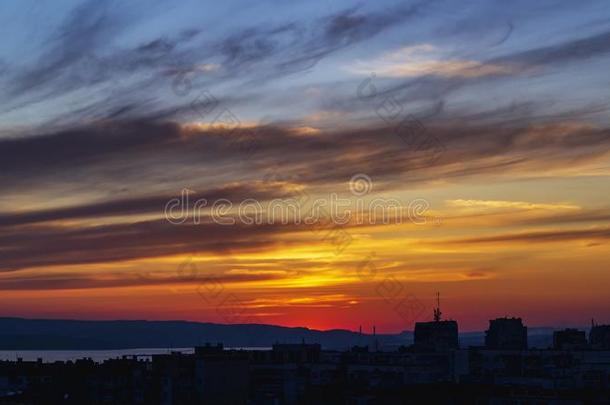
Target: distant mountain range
[(57, 334)]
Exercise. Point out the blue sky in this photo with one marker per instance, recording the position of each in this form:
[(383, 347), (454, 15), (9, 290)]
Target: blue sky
[(58, 57)]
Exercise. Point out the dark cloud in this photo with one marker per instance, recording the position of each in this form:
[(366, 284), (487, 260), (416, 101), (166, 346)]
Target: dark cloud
[(542, 236), (342, 30), (75, 281), (139, 205), (564, 52), (48, 245), (269, 53), (72, 148), (423, 152), (600, 216)]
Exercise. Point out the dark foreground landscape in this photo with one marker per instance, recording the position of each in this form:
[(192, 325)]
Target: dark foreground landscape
[(436, 369)]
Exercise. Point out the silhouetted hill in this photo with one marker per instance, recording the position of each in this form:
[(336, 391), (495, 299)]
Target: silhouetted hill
[(52, 334), (58, 334)]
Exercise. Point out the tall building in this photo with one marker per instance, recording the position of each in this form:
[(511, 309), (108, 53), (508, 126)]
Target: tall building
[(599, 337), (506, 333), (569, 339), (438, 334), (221, 376)]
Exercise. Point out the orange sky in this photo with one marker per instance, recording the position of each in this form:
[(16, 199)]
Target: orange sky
[(488, 253), (487, 125)]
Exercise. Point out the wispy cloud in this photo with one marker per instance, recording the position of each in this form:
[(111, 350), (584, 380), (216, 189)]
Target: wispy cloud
[(510, 205), (426, 60), (591, 234)]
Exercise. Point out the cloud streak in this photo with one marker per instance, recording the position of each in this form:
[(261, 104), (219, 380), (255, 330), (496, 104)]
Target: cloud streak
[(541, 237), (426, 60)]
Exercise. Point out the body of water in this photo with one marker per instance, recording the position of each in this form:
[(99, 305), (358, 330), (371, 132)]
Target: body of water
[(49, 356)]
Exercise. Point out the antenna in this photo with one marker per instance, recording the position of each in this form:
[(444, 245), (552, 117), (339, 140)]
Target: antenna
[(437, 311)]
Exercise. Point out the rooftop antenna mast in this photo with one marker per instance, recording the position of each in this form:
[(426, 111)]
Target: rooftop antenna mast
[(437, 311)]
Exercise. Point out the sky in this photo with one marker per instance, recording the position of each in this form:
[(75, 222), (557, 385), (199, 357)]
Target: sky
[(486, 121)]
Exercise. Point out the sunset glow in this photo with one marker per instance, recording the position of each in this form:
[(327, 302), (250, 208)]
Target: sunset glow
[(490, 129)]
